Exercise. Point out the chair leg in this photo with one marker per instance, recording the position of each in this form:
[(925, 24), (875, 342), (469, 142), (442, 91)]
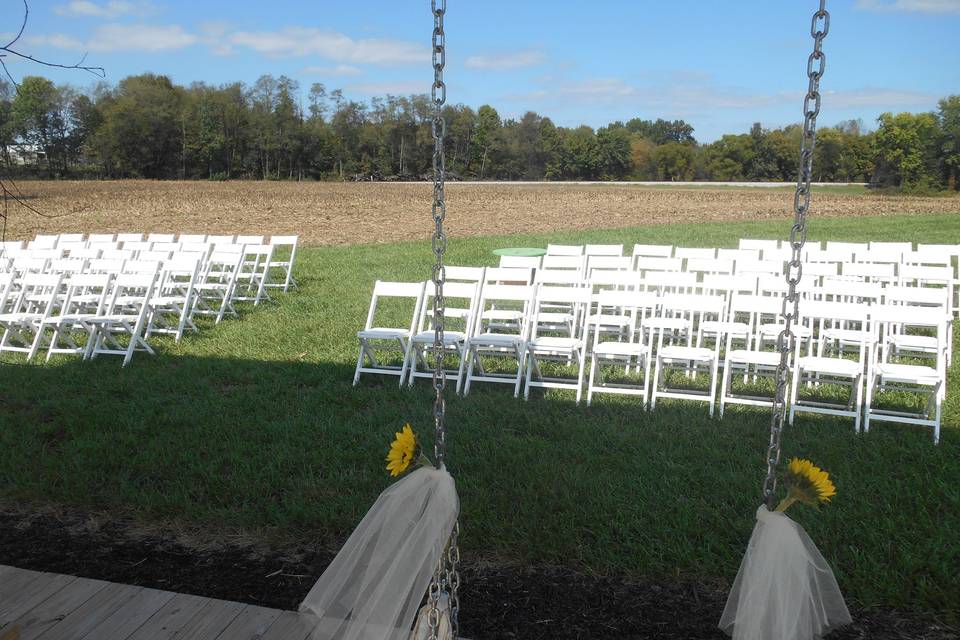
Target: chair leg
[(724, 382), (471, 354), (713, 384), (356, 372), (591, 378), (656, 382), (582, 358), (859, 402)]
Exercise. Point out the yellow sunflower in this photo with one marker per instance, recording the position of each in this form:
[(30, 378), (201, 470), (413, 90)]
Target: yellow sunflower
[(403, 451), (807, 483)]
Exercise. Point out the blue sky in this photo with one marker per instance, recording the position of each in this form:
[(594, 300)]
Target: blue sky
[(719, 65)]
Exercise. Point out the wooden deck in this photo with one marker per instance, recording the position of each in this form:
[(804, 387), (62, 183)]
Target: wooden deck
[(49, 606)]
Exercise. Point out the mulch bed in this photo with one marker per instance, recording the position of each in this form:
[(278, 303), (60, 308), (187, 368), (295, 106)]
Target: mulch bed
[(498, 602)]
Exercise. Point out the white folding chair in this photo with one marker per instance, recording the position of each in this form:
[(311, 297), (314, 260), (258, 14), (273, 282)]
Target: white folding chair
[(701, 253), (469, 275), (495, 341), (105, 265), (603, 250), (171, 309), (885, 375), (611, 320), (129, 237), (674, 326), (217, 283), (161, 237), (652, 251), (869, 272), (97, 238), (375, 339), (629, 351), (608, 263), (815, 272), (221, 240), (192, 238), (281, 245), (545, 345), (568, 263), (7, 291), (845, 369), (125, 318), (644, 265), (559, 316), (86, 298), (456, 331), (565, 250), (254, 273), (35, 301), (937, 302), (748, 313)]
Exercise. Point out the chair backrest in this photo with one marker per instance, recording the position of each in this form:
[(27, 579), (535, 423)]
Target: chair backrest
[(820, 269), (105, 265), (565, 250), (196, 247), (117, 254), (868, 271), (129, 237), (928, 258), (504, 275), (879, 256), (95, 238), (464, 274), (86, 293), (221, 239), (653, 250), (85, 254), (644, 264), (750, 255), (167, 246), (559, 277), (137, 245), (608, 262), (847, 291), (131, 293), (917, 296), (695, 252), (920, 274), (192, 237), (465, 295), (46, 254), (709, 265), (847, 247), (722, 283), (103, 245), (520, 262), (161, 237), (284, 241), (769, 267), (750, 243), (249, 240), (826, 310), (411, 291), (603, 250), (39, 293), (669, 282), (577, 298), (24, 265), (43, 242), (506, 296), (140, 267), (66, 265), (897, 247), (574, 263), (154, 256)]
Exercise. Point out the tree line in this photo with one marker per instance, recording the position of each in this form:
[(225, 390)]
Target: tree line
[(147, 126)]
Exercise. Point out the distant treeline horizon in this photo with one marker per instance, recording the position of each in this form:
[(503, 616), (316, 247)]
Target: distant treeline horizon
[(148, 127)]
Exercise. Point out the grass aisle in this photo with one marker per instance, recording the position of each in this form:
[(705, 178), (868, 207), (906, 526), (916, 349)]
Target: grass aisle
[(254, 425)]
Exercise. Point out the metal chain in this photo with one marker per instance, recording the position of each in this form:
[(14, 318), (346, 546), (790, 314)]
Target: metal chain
[(453, 580), (819, 27), (433, 600), (438, 93)]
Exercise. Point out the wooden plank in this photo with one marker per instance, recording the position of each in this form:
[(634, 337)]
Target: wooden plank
[(13, 586), (210, 621), (92, 612), (55, 608), (290, 626), (35, 591), (172, 617), (124, 621), (252, 623)]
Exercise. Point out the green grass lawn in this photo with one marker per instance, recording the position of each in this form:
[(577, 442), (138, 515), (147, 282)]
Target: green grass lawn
[(254, 425)]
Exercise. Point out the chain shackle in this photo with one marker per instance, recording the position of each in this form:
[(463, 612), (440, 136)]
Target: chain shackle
[(786, 341), (438, 95)]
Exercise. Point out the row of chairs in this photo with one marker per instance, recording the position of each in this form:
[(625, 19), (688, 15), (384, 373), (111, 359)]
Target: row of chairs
[(72, 303), (662, 336), (126, 246)]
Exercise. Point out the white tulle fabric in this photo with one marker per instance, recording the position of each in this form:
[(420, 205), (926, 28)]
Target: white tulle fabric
[(784, 589), (375, 585)]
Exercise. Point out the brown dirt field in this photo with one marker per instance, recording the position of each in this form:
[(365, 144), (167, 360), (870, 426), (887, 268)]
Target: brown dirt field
[(348, 213)]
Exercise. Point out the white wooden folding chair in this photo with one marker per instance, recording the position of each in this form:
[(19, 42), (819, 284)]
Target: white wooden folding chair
[(36, 301), (284, 261), (651, 251), (120, 329), (559, 316), (603, 250), (644, 265), (906, 376), (936, 301), (161, 237), (629, 351), (613, 321), (494, 340), (456, 331), (97, 238), (217, 283), (509, 318), (748, 313), (726, 286), (565, 250), (567, 263), (192, 238), (129, 237), (254, 273), (831, 368), (43, 241), (85, 298), (560, 348), (171, 309), (375, 339), (675, 325), (469, 275)]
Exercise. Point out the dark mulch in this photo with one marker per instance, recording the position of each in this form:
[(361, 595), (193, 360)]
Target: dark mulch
[(498, 602)]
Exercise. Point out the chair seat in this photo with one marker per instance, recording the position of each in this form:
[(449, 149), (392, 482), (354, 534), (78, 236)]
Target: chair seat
[(702, 354), (502, 314), (918, 343), (833, 366), (774, 329), (916, 374), (111, 318), (452, 312), (720, 326), (554, 317), (844, 335), (383, 333), (449, 337), (619, 349), (666, 323), (610, 320), (748, 356), (553, 343), (496, 339)]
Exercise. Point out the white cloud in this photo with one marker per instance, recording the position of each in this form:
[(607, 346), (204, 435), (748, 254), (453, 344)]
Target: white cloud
[(877, 98), (506, 61), (915, 6), (122, 37), (338, 70), (110, 9), (292, 42)]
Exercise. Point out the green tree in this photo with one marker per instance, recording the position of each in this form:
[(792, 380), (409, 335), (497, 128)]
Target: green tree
[(949, 116), (34, 114), (907, 148)]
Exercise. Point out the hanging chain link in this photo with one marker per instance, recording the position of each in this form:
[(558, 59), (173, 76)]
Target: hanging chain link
[(433, 600), (453, 580), (438, 93), (819, 27)]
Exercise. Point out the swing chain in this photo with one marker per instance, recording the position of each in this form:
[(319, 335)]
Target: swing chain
[(433, 601), (453, 580), (438, 93), (816, 63)]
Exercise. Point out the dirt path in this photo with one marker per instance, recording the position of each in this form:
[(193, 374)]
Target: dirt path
[(339, 213)]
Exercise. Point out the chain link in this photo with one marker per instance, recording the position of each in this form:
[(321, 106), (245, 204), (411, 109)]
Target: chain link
[(433, 600), (816, 63), (438, 93), (453, 580)]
